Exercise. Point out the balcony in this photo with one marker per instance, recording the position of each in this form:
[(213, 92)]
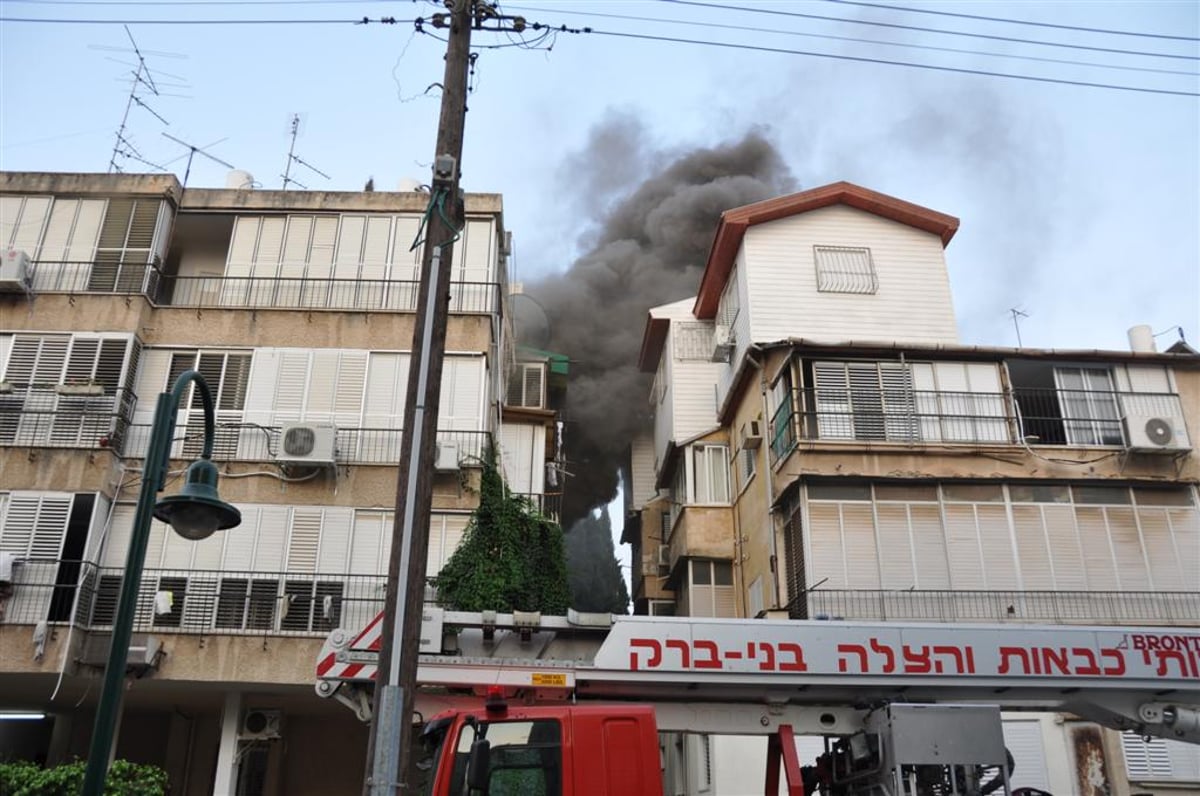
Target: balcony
[(252, 442), (65, 416), (229, 292), (208, 602), (1172, 609), (1080, 418)]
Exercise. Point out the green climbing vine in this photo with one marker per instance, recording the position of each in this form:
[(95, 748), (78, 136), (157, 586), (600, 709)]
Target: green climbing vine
[(511, 557)]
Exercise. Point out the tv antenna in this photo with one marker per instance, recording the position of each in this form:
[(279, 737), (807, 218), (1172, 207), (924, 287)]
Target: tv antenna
[(142, 85), (192, 150), (294, 158), (1016, 314)]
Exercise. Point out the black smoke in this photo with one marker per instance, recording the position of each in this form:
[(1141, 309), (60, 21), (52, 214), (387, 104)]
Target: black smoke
[(647, 247)]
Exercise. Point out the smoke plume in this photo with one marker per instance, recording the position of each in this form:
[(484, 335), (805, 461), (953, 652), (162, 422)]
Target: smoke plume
[(647, 248)]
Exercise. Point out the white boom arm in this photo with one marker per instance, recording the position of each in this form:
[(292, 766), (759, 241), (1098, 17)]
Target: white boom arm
[(1143, 679)]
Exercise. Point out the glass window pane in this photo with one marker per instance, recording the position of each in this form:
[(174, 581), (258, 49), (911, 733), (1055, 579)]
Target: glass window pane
[(839, 491), (906, 492), (1039, 493), (1156, 496), (974, 493), (722, 573), (701, 573), (1101, 494)]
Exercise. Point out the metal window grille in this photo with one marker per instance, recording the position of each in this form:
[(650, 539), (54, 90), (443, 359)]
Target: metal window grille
[(844, 269)]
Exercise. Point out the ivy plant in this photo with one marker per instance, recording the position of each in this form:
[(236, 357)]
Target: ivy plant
[(511, 557), (23, 778)]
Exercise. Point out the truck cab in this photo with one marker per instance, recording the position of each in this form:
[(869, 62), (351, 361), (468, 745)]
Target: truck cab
[(548, 750)]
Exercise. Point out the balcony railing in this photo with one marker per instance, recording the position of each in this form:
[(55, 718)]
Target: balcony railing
[(1021, 416), (253, 442), (65, 416), (233, 292), (223, 602), (1035, 607)]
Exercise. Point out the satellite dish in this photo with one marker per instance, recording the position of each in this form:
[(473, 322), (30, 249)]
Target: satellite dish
[(530, 322)]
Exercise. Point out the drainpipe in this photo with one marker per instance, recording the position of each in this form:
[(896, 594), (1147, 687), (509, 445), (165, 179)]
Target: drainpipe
[(752, 355)]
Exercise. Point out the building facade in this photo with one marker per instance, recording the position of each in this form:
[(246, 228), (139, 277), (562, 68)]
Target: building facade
[(825, 448), (298, 308)]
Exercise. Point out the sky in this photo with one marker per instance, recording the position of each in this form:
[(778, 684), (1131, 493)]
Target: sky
[(1079, 205)]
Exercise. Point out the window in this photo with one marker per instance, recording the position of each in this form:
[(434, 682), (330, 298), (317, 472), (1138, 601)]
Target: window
[(711, 473), (710, 590), (525, 758), (747, 465), (864, 401), (844, 269), (730, 304), (1089, 406), (1158, 759), (128, 242), (526, 385), (783, 407), (227, 376)]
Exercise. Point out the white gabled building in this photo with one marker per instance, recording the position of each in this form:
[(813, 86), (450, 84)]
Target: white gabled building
[(834, 452)]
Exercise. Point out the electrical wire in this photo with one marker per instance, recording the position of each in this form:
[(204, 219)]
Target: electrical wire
[(752, 29), (362, 21), (898, 26), (1010, 21), (910, 64)]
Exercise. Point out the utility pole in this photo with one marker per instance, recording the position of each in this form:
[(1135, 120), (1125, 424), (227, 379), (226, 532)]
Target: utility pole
[(389, 752)]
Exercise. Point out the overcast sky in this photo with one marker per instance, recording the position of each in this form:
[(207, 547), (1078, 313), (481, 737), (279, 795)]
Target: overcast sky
[(1079, 205)]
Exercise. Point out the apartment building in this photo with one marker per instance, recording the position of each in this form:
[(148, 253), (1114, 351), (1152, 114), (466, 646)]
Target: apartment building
[(825, 448), (298, 308)]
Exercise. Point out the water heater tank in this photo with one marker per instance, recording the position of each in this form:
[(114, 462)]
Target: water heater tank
[(1141, 338), (239, 180)]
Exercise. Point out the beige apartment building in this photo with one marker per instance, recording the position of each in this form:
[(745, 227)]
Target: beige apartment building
[(825, 448), (298, 308)]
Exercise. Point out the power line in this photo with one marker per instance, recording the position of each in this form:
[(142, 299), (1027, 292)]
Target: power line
[(149, 3), (908, 45), (1014, 21), (360, 21), (798, 14), (862, 59)]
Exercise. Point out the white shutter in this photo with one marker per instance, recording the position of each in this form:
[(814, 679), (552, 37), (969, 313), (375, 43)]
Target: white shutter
[(1185, 526), (320, 262), (120, 529), (367, 543), (831, 384), (272, 538), (334, 547), (861, 553), (461, 394), (22, 220), (19, 521), (478, 253), (962, 546), (1097, 555), (1032, 550), (1127, 548), (896, 563), (929, 546), (304, 540), (58, 232), (1165, 566), (349, 251), (1024, 742), (926, 400), (270, 246), (294, 260), (291, 385), (406, 262), (259, 404), (177, 551), (996, 543), (238, 552), (386, 388), (376, 241), (825, 542), (1146, 759), (239, 264), (517, 456), (1062, 537), (322, 383), (35, 526)]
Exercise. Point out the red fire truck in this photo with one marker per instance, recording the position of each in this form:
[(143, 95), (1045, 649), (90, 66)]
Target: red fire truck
[(526, 704)]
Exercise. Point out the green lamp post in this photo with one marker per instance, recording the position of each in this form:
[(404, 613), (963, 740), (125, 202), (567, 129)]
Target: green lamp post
[(195, 513)]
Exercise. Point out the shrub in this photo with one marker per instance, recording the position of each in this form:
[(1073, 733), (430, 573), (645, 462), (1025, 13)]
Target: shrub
[(22, 778)]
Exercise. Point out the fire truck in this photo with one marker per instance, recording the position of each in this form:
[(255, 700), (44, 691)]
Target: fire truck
[(528, 704)]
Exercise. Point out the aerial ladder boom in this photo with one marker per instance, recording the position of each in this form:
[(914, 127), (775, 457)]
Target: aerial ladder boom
[(733, 676)]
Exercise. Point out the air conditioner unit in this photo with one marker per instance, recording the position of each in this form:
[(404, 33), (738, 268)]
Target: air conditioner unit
[(751, 434), (260, 725), (446, 459), (16, 274), (664, 557), (145, 651), (307, 443), (722, 343), (1155, 433)]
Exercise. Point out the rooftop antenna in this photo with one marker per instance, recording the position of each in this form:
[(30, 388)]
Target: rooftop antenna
[(192, 150), (143, 83), (294, 158), (1016, 313)]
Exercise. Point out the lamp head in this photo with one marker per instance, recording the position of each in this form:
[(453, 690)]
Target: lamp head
[(196, 512)]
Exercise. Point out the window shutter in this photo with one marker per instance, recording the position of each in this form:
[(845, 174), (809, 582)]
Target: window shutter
[(1127, 547), (19, 521), (304, 541), (962, 547), (58, 232), (272, 538), (22, 220), (1146, 758), (929, 546), (995, 541), (238, 552), (322, 383), (834, 420), (1032, 550), (825, 541), (366, 545), (462, 394), (1185, 526), (896, 564), (1165, 565), (862, 556), (291, 385), (1024, 742), (349, 250), (334, 546), (1097, 556)]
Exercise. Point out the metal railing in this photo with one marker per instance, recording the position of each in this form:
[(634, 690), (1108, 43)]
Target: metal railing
[(1052, 607), (65, 416), (108, 273), (223, 602), (384, 295), (1021, 416), (254, 442)]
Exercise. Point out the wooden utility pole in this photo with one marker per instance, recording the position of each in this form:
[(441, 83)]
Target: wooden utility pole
[(389, 752)]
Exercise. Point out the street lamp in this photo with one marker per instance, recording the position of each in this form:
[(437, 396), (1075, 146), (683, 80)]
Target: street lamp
[(195, 513)]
